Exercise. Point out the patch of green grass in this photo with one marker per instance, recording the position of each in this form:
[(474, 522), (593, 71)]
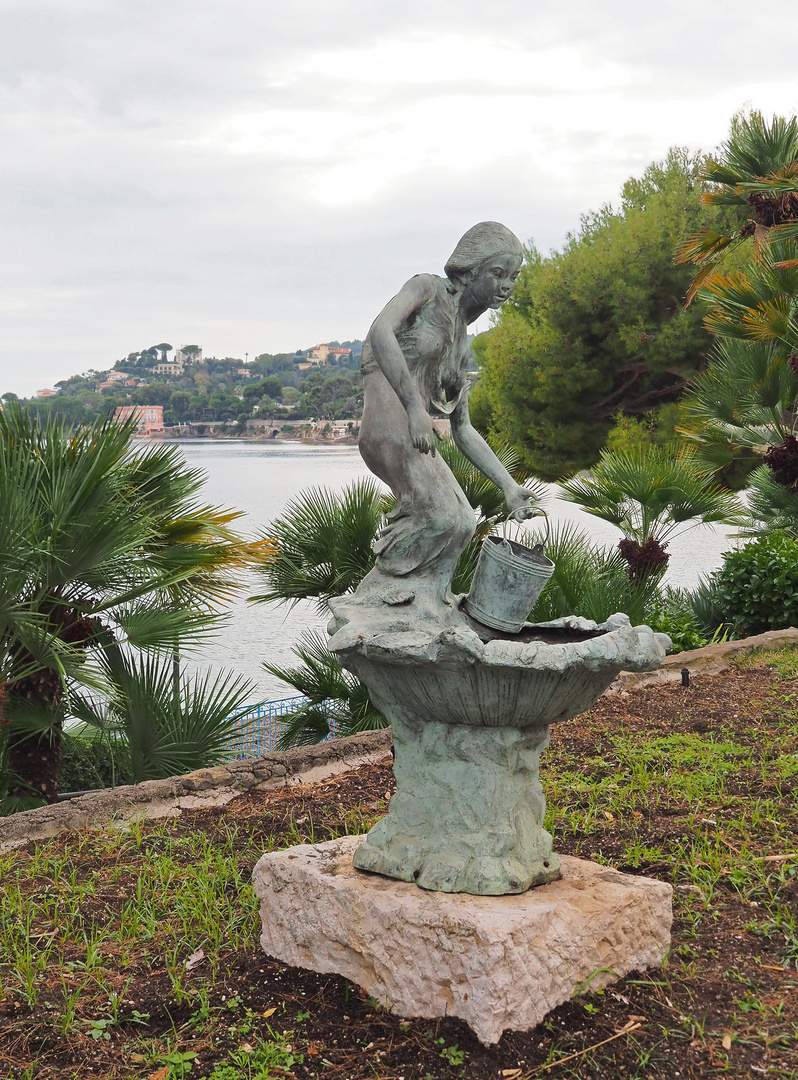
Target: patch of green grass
[(641, 774), (262, 1061), (783, 661), (103, 909)]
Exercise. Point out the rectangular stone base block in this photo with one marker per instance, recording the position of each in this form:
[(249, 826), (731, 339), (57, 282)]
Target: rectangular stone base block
[(497, 962)]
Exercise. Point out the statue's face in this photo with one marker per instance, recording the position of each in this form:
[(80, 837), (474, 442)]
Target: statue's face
[(494, 279)]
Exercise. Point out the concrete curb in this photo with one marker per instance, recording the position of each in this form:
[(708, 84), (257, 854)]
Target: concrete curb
[(116, 807)]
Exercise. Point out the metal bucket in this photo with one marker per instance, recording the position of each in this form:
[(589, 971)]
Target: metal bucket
[(508, 580)]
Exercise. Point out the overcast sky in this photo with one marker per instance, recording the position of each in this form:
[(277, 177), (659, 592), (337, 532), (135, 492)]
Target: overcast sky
[(253, 176)]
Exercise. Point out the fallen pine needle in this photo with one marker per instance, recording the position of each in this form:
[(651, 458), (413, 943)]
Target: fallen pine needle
[(777, 858), (581, 1053)]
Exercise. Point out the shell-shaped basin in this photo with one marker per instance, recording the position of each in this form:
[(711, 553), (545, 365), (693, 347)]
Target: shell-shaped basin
[(455, 677)]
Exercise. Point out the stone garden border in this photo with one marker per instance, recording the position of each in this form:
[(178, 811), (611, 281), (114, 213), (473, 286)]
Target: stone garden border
[(707, 661), (116, 807)]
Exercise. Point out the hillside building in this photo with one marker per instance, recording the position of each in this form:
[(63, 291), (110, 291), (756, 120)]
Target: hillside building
[(323, 354), (149, 418), (188, 354), (172, 368)]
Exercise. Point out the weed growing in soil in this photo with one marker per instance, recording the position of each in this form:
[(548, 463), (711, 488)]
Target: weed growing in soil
[(134, 954)]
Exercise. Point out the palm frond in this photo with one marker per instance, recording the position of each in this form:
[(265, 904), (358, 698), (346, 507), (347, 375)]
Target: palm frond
[(704, 245), (320, 676), (780, 181), (323, 543), (756, 147), (703, 279), (788, 231), (329, 690), (307, 725), (172, 734), (770, 505), (590, 580)]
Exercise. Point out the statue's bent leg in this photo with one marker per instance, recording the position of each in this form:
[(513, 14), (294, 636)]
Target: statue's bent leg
[(432, 521)]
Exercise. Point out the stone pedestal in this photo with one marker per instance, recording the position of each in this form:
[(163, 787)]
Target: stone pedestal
[(497, 962)]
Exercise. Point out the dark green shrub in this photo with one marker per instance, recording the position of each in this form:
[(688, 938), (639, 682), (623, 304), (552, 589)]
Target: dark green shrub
[(672, 613), (709, 611), (757, 586), (90, 763)]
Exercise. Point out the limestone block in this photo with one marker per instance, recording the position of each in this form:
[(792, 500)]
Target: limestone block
[(497, 962)]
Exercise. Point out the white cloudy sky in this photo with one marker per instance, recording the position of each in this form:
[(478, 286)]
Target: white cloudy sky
[(254, 175)]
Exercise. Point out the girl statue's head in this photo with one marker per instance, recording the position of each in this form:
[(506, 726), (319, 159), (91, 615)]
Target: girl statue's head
[(481, 242)]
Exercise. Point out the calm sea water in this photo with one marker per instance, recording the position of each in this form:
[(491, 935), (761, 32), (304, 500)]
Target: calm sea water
[(260, 478)]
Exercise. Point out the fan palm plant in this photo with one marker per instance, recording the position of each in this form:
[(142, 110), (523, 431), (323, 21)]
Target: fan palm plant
[(322, 543), (164, 734), (772, 505), (755, 303), (756, 172), (745, 404), (94, 540), (331, 693), (590, 580), (649, 493), (760, 302)]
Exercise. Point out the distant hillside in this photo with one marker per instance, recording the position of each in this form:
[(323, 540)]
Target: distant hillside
[(322, 382)]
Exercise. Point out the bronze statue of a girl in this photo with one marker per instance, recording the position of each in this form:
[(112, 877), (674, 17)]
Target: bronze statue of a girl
[(415, 359)]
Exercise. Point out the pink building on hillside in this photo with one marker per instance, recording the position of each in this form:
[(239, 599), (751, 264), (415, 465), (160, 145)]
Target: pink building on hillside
[(149, 418)]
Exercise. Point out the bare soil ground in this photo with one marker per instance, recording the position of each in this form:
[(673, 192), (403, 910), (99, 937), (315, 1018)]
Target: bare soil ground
[(696, 786)]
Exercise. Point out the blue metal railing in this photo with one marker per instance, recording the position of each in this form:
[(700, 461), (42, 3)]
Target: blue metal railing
[(258, 730)]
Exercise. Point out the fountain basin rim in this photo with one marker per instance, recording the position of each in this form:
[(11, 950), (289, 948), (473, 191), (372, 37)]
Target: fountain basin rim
[(618, 645)]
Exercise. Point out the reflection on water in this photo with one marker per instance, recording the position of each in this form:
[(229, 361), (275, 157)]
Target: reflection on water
[(260, 478)]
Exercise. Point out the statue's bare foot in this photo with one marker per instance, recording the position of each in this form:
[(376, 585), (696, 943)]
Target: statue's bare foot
[(398, 598)]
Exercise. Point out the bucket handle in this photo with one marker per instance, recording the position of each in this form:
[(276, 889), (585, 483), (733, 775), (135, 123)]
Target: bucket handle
[(523, 513)]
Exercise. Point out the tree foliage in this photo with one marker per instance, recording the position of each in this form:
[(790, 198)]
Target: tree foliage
[(599, 328)]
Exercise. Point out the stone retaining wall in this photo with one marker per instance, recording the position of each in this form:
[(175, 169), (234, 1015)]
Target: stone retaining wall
[(707, 661), (217, 786), (116, 807)]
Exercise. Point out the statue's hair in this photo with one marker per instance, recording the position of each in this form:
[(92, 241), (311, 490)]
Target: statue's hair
[(482, 242)]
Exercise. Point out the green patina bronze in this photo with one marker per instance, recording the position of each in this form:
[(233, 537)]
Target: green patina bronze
[(470, 707)]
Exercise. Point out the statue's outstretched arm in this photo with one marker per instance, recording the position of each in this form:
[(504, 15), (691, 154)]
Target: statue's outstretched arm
[(388, 355), (469, 440)]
